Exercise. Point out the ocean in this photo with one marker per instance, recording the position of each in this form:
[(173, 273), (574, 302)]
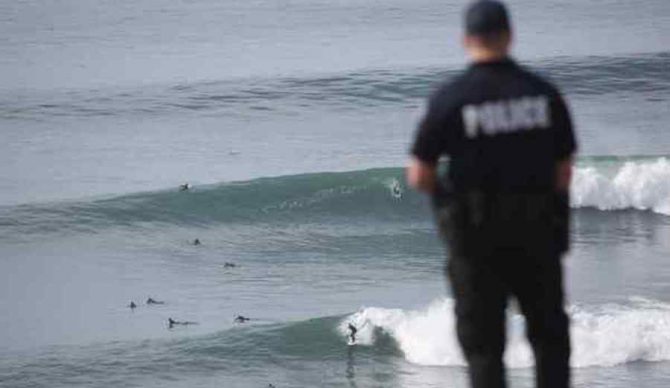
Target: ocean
[(291, 121)]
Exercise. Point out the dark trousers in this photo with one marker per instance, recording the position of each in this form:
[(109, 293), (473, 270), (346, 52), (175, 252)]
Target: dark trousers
[(503, 249)]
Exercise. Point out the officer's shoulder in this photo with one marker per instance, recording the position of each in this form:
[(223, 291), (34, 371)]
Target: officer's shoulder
[(451, 88), (539, 81)]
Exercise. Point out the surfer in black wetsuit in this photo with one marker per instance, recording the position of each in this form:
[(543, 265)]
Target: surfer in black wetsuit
[(229, 265), (132, 305), (172, 323), (153, 301), (184, 187), (241, 319), (352, 333), (196, 241)]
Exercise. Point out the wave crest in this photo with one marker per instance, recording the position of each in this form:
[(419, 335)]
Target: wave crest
[(636, 185), (604, 336)]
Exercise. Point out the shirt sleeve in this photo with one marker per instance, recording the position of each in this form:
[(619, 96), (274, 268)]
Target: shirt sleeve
[(431, 136), (564, 141)]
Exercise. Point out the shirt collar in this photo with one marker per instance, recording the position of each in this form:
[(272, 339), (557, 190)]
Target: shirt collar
[(507, 61)]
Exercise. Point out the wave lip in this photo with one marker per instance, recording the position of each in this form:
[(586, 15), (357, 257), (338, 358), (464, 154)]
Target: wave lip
[(605, 336), (636, 185)]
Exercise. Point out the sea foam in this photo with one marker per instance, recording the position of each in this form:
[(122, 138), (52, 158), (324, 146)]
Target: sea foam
[(634, 185), (601, 336)]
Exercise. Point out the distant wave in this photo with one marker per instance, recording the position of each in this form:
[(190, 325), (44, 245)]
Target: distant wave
[(602, 336), (605, 183), (642, 73)]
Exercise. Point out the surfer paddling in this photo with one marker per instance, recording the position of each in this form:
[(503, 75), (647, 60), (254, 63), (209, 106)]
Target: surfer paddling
[(241, 319), (172, 323), (154, 301)]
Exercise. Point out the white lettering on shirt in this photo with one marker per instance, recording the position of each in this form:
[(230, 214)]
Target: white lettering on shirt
[(506, 116)]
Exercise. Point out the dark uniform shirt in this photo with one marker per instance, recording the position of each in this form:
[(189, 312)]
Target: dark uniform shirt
[(503, 128)]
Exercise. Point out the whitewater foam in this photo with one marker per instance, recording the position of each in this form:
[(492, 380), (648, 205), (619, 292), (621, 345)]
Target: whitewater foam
[(635, 185), (604, 336)]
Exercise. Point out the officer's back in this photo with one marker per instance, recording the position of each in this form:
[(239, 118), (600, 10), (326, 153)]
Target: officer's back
[(503, 207), (503, 128)]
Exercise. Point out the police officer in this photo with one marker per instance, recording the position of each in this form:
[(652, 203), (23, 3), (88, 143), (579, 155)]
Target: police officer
[(503, 205)]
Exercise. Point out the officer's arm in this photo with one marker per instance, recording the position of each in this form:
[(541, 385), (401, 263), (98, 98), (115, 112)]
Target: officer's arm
[(565, 144), (421, 175), (563, 174), (561, 219)]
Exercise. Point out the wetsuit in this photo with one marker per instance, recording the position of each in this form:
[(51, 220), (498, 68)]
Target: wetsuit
[(504, 223)]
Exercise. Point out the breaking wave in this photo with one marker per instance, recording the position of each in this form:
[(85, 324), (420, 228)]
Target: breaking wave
[(605, 183), (642, 185), (602, 336)]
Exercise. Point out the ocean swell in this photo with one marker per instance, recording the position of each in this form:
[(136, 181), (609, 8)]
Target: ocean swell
[(582, 76)]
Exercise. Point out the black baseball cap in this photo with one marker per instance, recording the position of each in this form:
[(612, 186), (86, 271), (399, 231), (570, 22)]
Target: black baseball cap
[(484, 17)]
